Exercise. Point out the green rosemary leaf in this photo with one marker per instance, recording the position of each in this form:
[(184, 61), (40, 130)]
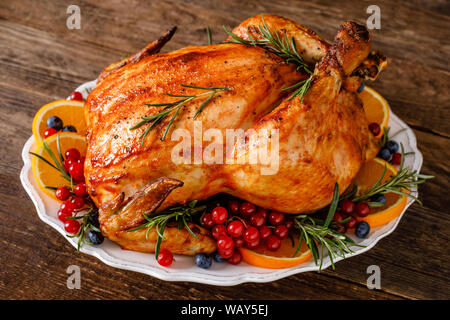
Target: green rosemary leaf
[(170, 122), (300, 240), (160, 237), (188, 229), (200, 109), (58, 147), (375, 204), (43, 159), (175, 106), (208, 32)]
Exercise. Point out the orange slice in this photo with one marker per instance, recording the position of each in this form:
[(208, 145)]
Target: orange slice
[(395, 203), (71, 112), (45, 174), (376, 108), (282, 258)]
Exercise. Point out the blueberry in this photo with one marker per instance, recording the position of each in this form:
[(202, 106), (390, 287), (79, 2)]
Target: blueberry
[(93, 219), (69, 128), (384, 154), (55, 123), (392, 146), (362, 229), (218, 258), (95, 237), (361, 87), (203, 260), (379, 198)]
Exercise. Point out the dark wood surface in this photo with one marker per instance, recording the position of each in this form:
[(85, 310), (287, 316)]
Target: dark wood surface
[(41, 60)]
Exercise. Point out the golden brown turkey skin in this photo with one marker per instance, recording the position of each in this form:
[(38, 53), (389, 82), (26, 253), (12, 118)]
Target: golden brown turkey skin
[(323, 139), (116, 160)]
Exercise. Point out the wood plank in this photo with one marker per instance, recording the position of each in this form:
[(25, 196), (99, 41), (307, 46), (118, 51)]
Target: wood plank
[(41, 61)]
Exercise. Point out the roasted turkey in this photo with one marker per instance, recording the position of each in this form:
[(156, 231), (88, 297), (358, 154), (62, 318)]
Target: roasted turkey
[(323, 139)]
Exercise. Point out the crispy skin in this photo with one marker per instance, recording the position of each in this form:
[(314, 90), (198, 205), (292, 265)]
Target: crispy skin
[(309, 45), (120, 215), (323, 140)]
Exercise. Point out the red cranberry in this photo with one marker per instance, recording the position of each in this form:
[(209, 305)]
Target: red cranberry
[(347, 206), (265, 232), (251, 234), (165, 257), (62, 193), (246, 208), (73, 154), (76, 171), (67, 207), (396, 158), (235, 258), (218, 230), (77, 202), (341, 228), (262, 212), (276, 218), (375, 128), (289, 223), (71, 226), (63, 215), (362, 209), (49, 132), (233, 204), (273, 243), (80, 190), (226, 254), (207, 220), (253, 245), (281, 231), (337, 217), (225, 243), (239, 242), (76, 96), (235, 228), (350, 224), (257, 220), (219, 215)]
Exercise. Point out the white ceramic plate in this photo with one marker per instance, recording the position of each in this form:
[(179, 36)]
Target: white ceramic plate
[(222, 274)]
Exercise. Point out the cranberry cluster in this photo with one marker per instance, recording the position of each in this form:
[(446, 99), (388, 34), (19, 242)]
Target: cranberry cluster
[(245, 225)]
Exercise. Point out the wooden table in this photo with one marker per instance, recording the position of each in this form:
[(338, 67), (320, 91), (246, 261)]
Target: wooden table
[(42, 60)]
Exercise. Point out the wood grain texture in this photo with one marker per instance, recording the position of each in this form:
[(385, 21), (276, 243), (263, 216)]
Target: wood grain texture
[(41, 60)]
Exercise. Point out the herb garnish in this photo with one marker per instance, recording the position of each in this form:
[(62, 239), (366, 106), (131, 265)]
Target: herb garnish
[(85, 226), (402, 183), (176, 106), (57, 164), (181, 214), (208, 33), (317, 232), (283, 47)]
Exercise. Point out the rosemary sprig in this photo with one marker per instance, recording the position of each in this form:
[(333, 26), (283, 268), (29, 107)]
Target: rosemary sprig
[(283, 47), (321, 235), (403, 183), (85, 226), (208, 33), (181, 214), (57, 161), (303, 87), (175, 107)]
